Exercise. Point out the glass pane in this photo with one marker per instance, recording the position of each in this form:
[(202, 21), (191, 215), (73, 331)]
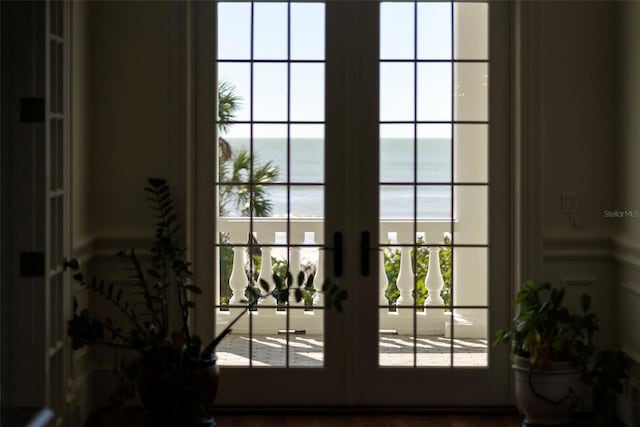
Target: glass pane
[(307, 201), (396, 91), (306, 339), (234, 349), (225, 266), (307, 92), (471, 338), (235, 141), (397, 202), (471, 161), (470, 276), (270, 91), (471, 214), (434, 31), (234, 29), (276, 196), (434, 153), (397, 153), (268, 339), (55, 155), (397, 31), (269, 153), (234, 81), (471, 30), (395, 342), (434, 91), (433, 350), (270, 30), (307, 31), (472, 91), (307, 153), (434, 201)]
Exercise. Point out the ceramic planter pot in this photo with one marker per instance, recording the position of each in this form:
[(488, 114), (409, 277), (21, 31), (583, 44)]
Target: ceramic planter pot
[(179, 400), (547, 397)]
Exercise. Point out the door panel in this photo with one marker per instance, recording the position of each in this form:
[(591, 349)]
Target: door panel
[(384, 130)]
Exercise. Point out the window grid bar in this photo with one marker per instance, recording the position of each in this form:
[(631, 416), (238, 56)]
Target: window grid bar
[(415, 176), (442, 61), (269, 61), (288, 305), (440, 245), (382, 245), (319, 61), (452, 154), (444, 306), (388, 183), (251, 153), (384, 122)]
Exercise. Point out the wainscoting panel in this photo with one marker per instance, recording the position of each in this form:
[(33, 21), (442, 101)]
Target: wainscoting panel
[(626, 254)]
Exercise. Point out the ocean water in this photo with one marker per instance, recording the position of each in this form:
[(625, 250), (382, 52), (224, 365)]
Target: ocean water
[(400, 163)]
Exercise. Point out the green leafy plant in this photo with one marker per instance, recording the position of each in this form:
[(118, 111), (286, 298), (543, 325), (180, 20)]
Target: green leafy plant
[(142, 317), (545, 331)]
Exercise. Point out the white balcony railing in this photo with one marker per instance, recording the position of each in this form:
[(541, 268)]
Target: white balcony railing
[(308, 233)]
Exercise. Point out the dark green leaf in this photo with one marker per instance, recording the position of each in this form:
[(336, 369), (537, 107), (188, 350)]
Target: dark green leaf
[(326, 284), (276, 280), (264, 285), (193, 288), (585, 302)]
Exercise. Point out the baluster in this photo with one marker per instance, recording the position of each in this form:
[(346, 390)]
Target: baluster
[(434, 280), (318, 298), (297, 237), (383, 282), (405, 278), (266, 274), (238, 279)]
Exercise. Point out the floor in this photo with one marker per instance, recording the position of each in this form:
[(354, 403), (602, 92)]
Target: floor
[(307, 351), (502, 420)]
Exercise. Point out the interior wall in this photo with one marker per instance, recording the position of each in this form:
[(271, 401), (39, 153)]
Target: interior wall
[(129, 117), (627, 163), (577, 114), (577, 134), (121, 136), (627, 226)]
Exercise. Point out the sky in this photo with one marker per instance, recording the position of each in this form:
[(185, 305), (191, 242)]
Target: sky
[(397, 79)]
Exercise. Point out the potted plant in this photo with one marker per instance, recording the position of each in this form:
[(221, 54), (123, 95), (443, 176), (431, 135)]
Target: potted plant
[(174, 372), (555, 358)]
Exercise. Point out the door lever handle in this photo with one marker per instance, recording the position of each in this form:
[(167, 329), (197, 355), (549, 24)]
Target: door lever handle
[(337, 254), (365, 265), (72, 263)]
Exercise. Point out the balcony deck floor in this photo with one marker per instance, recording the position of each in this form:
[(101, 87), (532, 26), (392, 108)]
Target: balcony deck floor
[(395, 350)]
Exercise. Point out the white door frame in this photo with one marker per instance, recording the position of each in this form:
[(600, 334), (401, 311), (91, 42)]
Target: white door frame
[(331, 386)]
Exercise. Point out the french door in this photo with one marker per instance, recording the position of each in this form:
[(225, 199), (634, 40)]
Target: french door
[(36, 227), (361, 141)]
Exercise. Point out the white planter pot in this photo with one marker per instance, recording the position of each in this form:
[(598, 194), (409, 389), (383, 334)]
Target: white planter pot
[(548, 396)]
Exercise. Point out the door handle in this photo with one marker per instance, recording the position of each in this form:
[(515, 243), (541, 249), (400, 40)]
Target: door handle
[(337, 254), (365, 265), (72, 263)]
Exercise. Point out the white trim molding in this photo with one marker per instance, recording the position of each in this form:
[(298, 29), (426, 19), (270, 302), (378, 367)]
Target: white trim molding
[(577, 248), (626, 251), (632, 287), (527, 100)]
